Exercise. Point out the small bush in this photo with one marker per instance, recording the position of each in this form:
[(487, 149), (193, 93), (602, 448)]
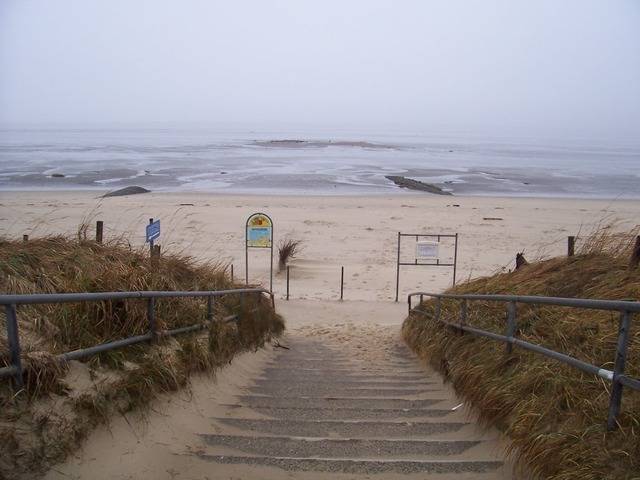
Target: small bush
[(288, 248)]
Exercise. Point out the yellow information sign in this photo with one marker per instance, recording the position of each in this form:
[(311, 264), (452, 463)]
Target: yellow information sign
[(259, 231)]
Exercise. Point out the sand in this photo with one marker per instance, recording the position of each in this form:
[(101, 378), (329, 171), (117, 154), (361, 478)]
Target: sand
[(359, 233)]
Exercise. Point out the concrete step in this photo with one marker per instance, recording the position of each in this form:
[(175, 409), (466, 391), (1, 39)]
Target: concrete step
[(347, 392), (345, 413), (264, 382), (349, 429), (339, 448), (302, 375), (350, 466), (336, 402)]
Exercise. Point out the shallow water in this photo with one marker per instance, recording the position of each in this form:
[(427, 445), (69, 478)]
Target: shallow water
[(301, 162)]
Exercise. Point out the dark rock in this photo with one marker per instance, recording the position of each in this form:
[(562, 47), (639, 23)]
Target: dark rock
[(133, 190), (411, 184), (57, 175)]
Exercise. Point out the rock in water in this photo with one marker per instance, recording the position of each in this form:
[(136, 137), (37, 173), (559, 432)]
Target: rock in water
[(133, 190), (412, 184)]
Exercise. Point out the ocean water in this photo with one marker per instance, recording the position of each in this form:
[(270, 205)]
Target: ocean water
[(295, 161)]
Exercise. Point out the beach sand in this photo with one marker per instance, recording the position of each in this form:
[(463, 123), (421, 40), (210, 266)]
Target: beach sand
[(359, 233)]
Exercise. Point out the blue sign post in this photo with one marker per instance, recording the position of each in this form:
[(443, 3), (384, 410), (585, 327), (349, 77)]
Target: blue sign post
[(153, 232)]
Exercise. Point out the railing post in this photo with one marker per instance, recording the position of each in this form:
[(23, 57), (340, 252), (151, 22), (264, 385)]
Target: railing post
[(151, 316), (618, 369), (463, 314), (511, 324), (210, 308), (14, 343), (438, 309), (25, 238)]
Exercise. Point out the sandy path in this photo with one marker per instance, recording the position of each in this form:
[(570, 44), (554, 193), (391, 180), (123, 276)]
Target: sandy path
[(218, 429)]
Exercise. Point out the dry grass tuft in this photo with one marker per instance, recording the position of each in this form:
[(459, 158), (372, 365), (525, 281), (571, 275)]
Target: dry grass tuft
[(288, 248), (46, 421), (554, 414)]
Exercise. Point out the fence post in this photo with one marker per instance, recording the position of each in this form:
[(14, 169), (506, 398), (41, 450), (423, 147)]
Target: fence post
[(438, 309), (341, 283), (618, 369), (232, 273), (14, 343), (287, 282), (99, 228), (25, 238), (571, 246), (210, 308), (511, 324), (151, 316)]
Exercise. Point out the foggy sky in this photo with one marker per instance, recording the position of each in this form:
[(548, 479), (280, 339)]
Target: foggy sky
[(528, 67)]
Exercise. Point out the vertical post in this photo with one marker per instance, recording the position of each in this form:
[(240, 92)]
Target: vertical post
[(271, 264), (151, 241), (209, 308), (232, 273), (14, 343), (421, 299), (455, 259), (287, 282), (618, 369), (151, 316), (571, 246), (99, 229), (511, 324), (246, 259), (398, 269), (438, 309), (342, 283), (25, 238), (634, 261), (463, 314)]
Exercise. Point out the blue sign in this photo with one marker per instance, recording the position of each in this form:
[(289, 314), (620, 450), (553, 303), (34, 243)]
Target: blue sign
[(153, 231)]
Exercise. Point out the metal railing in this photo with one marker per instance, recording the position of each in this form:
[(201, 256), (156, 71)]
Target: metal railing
[(615, 376), (12, 301)]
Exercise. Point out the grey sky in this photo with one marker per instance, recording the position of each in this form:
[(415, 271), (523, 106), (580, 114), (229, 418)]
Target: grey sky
[(529, 67)]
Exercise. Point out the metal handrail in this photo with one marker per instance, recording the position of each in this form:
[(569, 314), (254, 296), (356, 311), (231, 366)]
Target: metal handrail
[(12, 301), (615, 376)]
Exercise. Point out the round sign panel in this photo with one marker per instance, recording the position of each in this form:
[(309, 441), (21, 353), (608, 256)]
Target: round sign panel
[(259, 231)]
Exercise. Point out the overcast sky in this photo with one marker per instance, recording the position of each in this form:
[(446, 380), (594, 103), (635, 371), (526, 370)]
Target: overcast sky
[(530, 67)]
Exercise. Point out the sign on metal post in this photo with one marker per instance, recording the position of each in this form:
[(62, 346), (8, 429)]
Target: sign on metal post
[(153, 230), (427, 253), (259, 234)]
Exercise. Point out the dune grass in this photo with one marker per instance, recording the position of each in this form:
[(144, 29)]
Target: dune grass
[(42, 423), (554, 415)]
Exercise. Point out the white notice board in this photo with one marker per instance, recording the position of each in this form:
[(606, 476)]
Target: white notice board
[(427, 250)]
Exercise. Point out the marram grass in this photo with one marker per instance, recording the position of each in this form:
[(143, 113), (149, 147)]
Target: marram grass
[(35, 435), (554, 415)]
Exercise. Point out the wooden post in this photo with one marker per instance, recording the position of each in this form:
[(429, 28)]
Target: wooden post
[(341, 283), (99, 228), (232, 273), (25, 238), (571, 246), (635, 254)]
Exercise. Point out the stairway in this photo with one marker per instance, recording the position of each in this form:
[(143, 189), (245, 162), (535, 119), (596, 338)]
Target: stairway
[(318, 411)]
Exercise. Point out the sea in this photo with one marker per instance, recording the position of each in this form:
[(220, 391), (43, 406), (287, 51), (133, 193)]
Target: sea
[(297, 161)]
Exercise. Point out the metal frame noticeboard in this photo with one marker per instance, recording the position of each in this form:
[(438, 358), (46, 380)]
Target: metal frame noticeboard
[(426, 250), (258, 234)]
